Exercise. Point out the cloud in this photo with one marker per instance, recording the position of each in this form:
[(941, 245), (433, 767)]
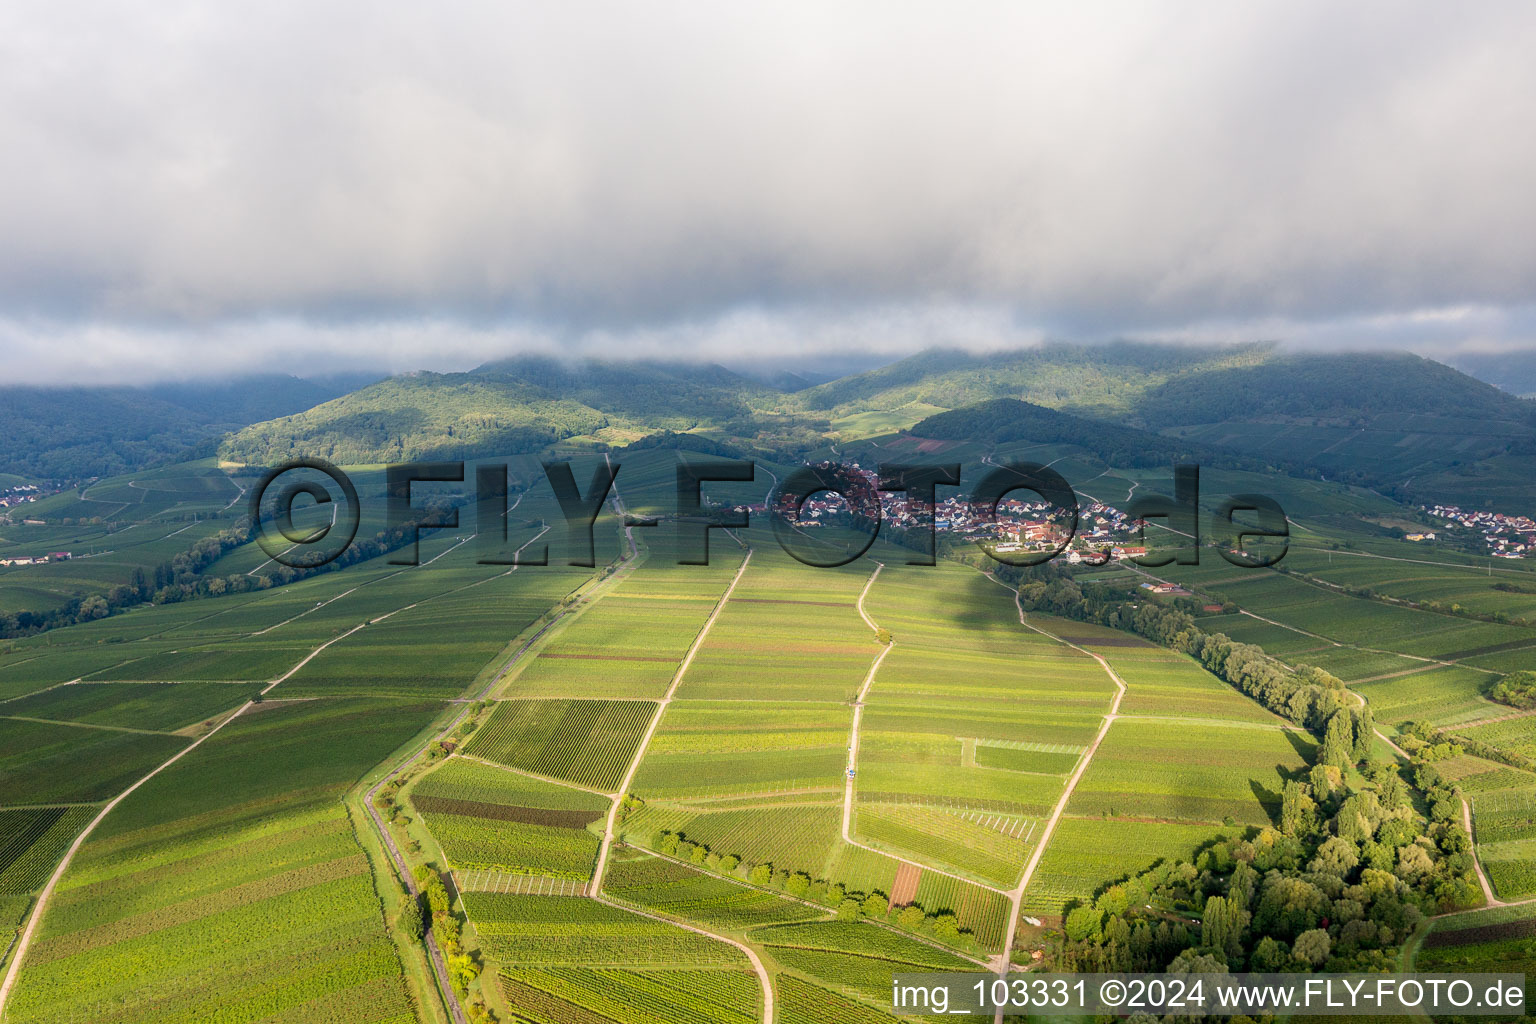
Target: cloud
[(180, 184)]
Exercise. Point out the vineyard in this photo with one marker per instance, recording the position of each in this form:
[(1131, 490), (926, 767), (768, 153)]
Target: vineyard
[(948, 839), (31, 842), (979, 911), (796, 836), (588, 742), (1439, 694), (436, 647), (43, 763), (1505, 814), (560, 931), (1494, 940), (1160, 682), (155, 707), (801, 1002), (1190, 772), (743, 747), (853, 956), (461, 779), (628, 644), (671, 889), (230, 882), (789, 632), (498, 844), (567, 996), (1087, 854)]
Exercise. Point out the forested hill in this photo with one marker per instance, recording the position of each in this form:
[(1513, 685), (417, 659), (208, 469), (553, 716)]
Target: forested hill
[(1406, 426), (1096, 380), (1008, 419), (70, 433), (1409, 427), (1350, 388), (517, 406)]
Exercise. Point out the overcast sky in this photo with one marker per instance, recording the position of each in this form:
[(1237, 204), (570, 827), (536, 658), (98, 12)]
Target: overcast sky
[(192, 188)]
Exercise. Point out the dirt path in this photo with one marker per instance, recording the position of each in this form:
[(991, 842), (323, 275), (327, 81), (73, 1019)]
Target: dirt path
[(858, 710), (629, 777), (757, 963), (853, 757), (1477, 862), (1016, 896), (661, 707)]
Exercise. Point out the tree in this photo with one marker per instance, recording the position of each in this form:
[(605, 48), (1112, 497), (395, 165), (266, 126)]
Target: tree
[(1413, 863), (910, 917), (1337, 856), (876, 905), (1517, 689), (799, 884), (849, 910), (462, 970), (1298, 811), (1270, 956), (1221, 926), (762, 874), (1312, 947), (409, 918), (1338, 742), (1082, 923), (1365, 726), (437, 897)]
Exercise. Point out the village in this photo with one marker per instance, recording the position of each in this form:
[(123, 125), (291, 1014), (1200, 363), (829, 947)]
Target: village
[(1104, 533), (1507, 536)]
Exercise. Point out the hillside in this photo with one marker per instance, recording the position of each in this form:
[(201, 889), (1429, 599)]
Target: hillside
[(1004, 420), (1408, 426), (1100, 380), (517, 406), (71, 433)]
